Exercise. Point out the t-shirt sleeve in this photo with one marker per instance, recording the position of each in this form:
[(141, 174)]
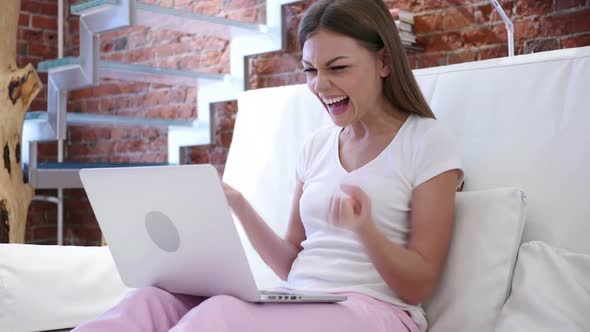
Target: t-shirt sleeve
[(436, 153)]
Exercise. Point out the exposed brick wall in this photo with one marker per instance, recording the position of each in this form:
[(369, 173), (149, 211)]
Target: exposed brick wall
[(37, 41), (451, 31)]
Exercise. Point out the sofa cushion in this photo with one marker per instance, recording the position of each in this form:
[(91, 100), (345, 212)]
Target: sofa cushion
[(478, 272), (550, 291), (55, 287)]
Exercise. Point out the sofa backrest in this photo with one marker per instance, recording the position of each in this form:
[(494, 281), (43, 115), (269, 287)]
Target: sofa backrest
[(524, 122), (520, 122)]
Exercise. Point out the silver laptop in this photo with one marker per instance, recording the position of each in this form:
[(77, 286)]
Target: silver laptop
[(171, 227)]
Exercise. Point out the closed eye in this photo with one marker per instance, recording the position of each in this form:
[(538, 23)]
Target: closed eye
[(309, 70), (336, 68)]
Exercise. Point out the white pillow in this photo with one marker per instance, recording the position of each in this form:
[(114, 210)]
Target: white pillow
[(476, 279), (55, 287), (550, 291)]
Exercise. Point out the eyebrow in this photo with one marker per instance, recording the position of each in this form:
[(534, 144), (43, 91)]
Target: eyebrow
[(329, 62)]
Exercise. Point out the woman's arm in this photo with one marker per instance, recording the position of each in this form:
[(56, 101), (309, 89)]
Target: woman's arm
[(276, 252), (412, 271)]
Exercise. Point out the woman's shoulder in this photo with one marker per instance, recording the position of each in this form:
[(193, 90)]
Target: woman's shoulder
[(422, 127)]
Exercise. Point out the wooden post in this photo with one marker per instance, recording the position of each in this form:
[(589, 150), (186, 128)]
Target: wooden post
[(18, 87)]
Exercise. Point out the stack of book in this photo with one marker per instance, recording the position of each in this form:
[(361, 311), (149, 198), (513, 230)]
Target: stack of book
[(404, 20)]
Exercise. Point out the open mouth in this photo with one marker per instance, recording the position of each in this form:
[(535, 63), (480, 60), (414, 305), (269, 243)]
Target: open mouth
[(339, 107)]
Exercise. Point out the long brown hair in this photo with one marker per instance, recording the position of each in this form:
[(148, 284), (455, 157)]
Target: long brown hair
[(370, 23)]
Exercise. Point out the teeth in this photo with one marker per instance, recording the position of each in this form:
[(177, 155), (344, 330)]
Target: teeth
[(334, 100)]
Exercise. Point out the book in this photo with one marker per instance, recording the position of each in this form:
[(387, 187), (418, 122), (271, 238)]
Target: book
[(405, 36), (403, 26), (403, 15)]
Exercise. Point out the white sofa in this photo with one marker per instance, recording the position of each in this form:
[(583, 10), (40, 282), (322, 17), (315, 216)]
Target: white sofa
[(520, 257)]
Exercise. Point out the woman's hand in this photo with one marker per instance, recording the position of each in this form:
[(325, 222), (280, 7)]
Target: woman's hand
[(234, 197), (352, 212)]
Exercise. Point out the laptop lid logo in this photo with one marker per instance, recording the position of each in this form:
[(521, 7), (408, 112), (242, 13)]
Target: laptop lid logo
[(162, 231)]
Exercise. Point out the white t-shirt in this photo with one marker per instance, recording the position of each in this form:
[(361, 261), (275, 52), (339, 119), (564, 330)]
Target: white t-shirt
[(333, 259)]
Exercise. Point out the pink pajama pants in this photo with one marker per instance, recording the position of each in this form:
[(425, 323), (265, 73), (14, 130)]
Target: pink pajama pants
[(153, 309)]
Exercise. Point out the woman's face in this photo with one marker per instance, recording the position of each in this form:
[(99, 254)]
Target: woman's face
[(346, 77)]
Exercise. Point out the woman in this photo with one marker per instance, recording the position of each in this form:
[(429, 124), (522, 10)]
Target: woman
[(373, 207)]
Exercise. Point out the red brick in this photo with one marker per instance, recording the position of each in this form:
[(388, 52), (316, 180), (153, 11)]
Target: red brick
[(479, 37), (455, 19), (210, 58), (44, 22), (22, 48), (43, 232), (224, 139), (171, 63), (578, 41), (181, 3), (207, 43), (412, 61), (103, 148), (116, 57), (206, 7), (434, 60), (533, 7), (117, 103), (92, 106), (32, 35), (540, 45), (151, 133), (24, 20), (171, 49), (165, 97), (73, 25), (135, 87), (136, 145), (198, 156), (249, 15), (291, 35), (139, 55), (523, 29), (163, 3), (218, 156), (191, 95), (80, 94), (428, 23), (190, 61), (461, 57), (106, 90), (285, 79), (50, 38), (49, 8), (30, 6), (229, 5), (158, 144), (164, 111), (157, 37), (493, 52), (77, 149), (38, 104), (43, 51), (75, 203), (564, 24), (565, 4), (488, 13), (106, 45), (415, 6), (153, 157), (441, 42), (82, 235), (283, 64)]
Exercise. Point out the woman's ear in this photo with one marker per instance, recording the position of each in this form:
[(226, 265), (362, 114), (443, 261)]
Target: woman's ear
[(385, 60)]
